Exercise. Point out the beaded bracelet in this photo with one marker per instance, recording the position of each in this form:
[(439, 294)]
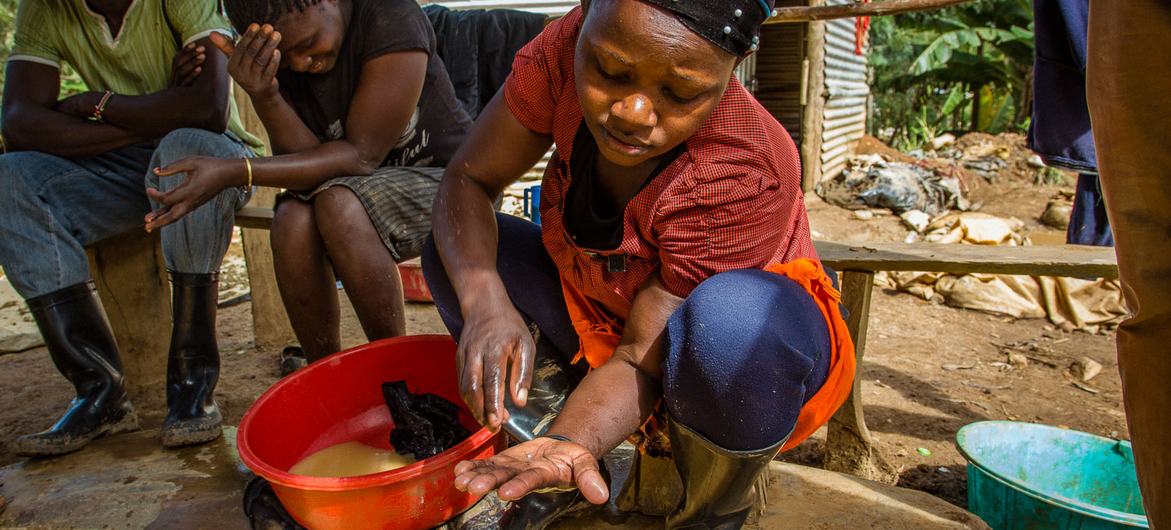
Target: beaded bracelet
[(101, 106)]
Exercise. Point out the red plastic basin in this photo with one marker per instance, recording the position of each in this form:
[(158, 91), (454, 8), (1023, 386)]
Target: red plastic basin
[(414, 284), (339, 399)]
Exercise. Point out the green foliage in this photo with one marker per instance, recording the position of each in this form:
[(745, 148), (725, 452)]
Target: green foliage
[(962, 68)]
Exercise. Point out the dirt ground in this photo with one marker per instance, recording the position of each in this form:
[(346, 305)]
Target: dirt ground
[(928, 370)]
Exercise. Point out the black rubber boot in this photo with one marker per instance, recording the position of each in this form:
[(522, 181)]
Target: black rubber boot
[(193, 365), (554, 377), (536, 511), (718, 483), (83, 349)]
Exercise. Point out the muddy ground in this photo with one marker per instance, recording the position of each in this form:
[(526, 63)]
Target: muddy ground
[(928, 370)]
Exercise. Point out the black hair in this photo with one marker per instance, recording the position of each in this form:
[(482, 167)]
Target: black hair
[(242, 13)]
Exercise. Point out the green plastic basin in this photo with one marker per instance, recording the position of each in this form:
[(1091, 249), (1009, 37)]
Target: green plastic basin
[(1025, 476)]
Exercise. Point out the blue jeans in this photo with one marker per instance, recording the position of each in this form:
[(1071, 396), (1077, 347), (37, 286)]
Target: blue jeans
[(51, 208), (745, 350)]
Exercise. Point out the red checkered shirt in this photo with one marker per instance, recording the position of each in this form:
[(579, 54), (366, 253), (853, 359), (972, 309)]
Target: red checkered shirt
[(732, 201)]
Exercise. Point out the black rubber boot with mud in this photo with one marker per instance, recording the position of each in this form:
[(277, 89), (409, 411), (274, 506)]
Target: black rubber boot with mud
[(193, 365), (719, 485), (82, 347)]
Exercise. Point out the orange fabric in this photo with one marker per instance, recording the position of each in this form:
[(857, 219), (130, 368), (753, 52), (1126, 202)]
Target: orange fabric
[(599, 332), (839, 381)]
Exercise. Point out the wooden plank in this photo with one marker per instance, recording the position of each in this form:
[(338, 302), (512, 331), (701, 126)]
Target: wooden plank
[(884, 7), (1057, 260), (132, 282), (254, 216), (270, 322), (848, 447)]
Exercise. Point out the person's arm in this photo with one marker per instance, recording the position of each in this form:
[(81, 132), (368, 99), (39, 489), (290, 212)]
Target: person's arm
[(608, 405), (386, 98), (495, 344), (32, 123), (635, 367), (202, 105)]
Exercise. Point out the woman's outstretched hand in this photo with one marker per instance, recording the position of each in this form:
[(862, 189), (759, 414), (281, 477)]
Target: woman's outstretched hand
[(253, 60), (534, 465)]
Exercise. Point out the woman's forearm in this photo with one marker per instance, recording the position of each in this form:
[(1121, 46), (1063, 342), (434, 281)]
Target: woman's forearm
[(305, 170), (286, 132), (614, 400), (609, 405), (466, 237)]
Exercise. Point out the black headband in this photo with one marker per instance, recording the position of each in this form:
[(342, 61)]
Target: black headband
[(733, 25)]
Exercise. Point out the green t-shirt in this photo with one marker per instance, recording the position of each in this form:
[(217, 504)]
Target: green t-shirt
[(137, 61)]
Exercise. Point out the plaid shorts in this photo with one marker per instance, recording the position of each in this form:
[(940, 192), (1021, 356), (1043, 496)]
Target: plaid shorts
[(398, 201)]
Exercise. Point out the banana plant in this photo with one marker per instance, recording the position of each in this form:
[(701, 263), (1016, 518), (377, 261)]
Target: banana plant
[(960, 68)]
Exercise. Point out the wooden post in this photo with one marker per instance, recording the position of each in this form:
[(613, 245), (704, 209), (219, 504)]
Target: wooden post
[(132, 282), (813, 115), (270, 323), (269, 320), (848, 447)]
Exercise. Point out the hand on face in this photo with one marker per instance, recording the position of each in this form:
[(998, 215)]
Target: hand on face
[(254, 59), (205, 177), (533, 465), (187, 65), (489, 345)]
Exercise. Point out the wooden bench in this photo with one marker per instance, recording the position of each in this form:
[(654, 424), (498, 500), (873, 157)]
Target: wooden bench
[(849, 448)]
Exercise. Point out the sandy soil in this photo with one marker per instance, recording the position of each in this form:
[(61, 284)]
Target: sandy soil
[(928, 369)]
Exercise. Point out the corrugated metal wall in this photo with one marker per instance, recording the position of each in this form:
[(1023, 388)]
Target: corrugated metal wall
[(781, 72), (846, 94)]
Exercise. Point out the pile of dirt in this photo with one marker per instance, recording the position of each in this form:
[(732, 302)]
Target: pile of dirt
[(1008, 152), (994, 174)]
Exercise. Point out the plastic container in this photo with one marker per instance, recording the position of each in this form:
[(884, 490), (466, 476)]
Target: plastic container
[(1030, 476), (339, 399), (414, 284), (531, 204)]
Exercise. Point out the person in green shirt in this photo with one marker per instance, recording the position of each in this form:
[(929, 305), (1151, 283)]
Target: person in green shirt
[(77, 171)]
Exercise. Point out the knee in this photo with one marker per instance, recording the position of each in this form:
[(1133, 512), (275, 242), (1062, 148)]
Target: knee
[(181, 143), (726, 309), (741, 325), (337, 213), (292, 222)]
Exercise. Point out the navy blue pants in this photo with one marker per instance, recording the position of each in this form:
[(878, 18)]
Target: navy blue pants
[(1089, 224), (745, 350)]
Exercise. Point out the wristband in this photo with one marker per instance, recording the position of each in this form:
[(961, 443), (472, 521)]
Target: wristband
[(248, 164), (101, 106), (557, 437)]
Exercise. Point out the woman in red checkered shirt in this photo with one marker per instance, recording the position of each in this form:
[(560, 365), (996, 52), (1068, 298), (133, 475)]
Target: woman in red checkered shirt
[(674, 259)]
